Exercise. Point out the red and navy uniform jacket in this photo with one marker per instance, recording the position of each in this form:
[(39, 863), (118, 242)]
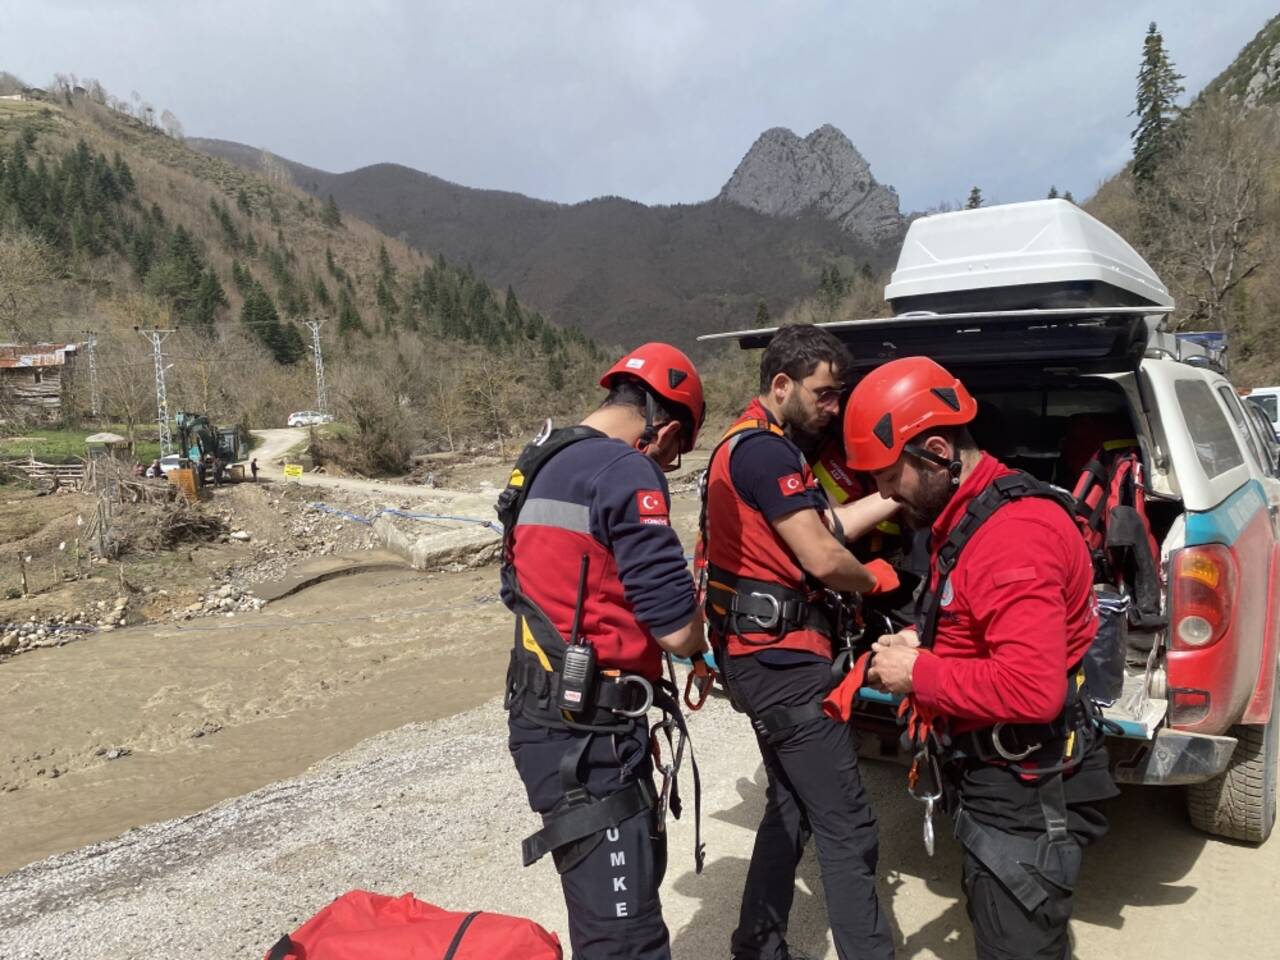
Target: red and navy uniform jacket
[(1017, 612), (758, 477), (602, 498)]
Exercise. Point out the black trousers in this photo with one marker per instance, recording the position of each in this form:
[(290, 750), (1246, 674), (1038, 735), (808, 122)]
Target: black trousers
[(612, 893), (814, 789), (1001, 801)]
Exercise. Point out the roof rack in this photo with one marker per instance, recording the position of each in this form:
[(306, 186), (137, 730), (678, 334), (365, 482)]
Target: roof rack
[(760, 336)]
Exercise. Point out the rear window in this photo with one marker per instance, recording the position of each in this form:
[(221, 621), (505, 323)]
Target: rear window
[(1211, 435), (1267, 401)]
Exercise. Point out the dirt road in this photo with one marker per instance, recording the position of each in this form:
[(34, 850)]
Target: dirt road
[(277, 442), (161, 721), (436, 809)]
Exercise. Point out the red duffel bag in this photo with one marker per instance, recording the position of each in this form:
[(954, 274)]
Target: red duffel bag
[(370, 926)]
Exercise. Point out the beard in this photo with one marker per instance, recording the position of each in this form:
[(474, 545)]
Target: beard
[(802, 417), (930, 500)]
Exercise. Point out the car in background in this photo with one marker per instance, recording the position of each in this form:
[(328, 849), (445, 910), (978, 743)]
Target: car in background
[(170, 462), (308, 418), (1266, 399)]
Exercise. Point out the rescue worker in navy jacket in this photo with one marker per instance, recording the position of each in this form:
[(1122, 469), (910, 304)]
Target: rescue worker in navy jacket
[(995, 662), (769, 555), (596, 514)]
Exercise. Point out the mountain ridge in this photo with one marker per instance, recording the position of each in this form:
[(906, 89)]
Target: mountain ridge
[(785, 175), (610, 265)]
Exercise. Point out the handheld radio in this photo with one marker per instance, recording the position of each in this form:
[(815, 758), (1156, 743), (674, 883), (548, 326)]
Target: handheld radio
[(578, 673)]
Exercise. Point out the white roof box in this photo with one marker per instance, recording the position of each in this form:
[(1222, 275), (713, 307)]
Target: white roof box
[(1043, 254)]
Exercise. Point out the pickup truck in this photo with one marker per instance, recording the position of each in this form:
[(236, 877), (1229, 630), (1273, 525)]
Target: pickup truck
[(1051, 320)]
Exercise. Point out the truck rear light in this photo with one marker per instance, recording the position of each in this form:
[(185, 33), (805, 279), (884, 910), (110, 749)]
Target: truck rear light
[(1202, 595), (1188, 707)]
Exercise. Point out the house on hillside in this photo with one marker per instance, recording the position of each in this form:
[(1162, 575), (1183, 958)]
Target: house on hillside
[(27, 93), (35, 378)]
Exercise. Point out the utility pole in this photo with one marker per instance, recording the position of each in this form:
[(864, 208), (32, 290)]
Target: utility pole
[(322, 395), (91, 343), (162, 404)]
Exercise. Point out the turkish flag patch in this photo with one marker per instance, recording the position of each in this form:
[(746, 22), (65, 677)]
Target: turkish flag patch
[(791, 484), (652, 507)]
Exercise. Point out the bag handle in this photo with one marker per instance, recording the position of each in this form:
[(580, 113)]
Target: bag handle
[(457, 937), (284, 946)]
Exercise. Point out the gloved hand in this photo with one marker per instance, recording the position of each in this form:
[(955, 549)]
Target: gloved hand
[(886, 577)]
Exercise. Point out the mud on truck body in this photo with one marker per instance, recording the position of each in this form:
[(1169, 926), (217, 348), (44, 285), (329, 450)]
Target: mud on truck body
[(1054, 323)]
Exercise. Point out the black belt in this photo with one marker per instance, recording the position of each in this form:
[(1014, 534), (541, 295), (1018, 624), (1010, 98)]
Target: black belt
[(1010, 742), (758, 606), (613, 699)]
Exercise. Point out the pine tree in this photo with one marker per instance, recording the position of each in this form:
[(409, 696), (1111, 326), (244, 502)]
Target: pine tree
[(330, 215), (1068, 197), (511, 311), (124, 176), (321, 292), (1053, 193), (385, 266), (975, 199), (209, 298), (348, 318), (1158, 88), (762, 314)]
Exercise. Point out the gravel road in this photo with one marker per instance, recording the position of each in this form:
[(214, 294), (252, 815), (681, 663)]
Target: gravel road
[(437, 810)]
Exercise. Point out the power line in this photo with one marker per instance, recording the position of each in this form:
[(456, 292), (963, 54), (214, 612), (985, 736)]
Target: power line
[(93, 371), (322, 395), (157, 337)]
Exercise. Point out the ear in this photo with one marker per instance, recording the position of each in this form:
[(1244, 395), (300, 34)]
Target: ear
[(939, 445), (668, 431), (780, 385)]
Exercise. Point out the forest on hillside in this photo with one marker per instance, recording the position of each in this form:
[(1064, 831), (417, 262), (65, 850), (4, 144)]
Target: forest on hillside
[(1200, 199), (109, 223)]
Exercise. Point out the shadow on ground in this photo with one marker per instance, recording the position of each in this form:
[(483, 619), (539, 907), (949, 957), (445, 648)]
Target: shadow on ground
[(1142, 862)]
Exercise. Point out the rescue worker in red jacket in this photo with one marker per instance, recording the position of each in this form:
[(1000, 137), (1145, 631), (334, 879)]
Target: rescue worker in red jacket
[(996, 659), (600, 587), (770, 554)]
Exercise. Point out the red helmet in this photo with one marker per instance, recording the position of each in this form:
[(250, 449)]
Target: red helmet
[(669, 374), (896, 402)]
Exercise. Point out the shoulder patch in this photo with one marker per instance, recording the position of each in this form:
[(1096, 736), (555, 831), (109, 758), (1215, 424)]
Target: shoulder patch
[(652, 507), (1003, 578), (791, 484), (948, 593)]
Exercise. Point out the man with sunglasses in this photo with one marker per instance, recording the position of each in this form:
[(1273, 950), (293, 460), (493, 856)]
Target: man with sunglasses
[(770, 552)]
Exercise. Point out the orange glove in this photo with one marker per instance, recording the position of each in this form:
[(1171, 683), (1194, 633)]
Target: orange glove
[(838, 704), (886, 577)]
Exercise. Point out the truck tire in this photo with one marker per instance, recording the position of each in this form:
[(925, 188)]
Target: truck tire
[(1240, 803)]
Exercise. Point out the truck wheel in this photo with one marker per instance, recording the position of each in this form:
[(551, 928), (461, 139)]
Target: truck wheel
[(1240, 803)]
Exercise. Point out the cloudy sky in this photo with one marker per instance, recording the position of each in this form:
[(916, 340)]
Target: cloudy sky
[(654, 100)]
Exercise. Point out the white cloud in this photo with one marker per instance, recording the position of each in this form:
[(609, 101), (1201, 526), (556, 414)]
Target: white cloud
[(657, 101)]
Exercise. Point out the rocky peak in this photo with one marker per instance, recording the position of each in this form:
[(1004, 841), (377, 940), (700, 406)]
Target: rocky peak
[(784, 175)]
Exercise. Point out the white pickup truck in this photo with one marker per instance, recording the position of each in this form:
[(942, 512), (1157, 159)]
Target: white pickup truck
[(1051, 319)]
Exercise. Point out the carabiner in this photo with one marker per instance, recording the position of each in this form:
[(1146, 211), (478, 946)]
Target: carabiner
[(774, 618), (648, 695), (700, 678), (1009, 754)]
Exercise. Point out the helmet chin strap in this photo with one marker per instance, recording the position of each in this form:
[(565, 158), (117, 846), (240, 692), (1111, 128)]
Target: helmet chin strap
[(650, 414), (952, 466)]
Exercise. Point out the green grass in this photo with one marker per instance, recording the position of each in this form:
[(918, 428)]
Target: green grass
[(64, 446)]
